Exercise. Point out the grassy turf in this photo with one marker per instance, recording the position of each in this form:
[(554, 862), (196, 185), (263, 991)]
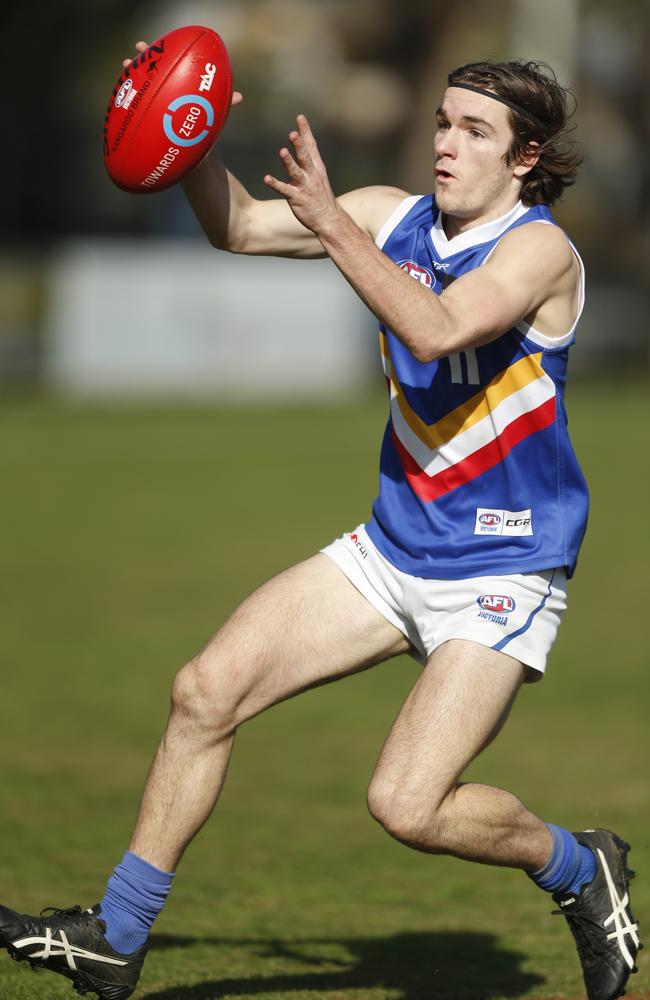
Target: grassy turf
[(128, 536)]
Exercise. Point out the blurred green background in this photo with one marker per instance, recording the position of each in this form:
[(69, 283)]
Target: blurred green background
[(133, 526)]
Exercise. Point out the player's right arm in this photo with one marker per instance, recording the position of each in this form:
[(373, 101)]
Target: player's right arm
[(235, 221)]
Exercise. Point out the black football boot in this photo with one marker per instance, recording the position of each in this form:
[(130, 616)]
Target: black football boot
[(600, 918), (72, 943)]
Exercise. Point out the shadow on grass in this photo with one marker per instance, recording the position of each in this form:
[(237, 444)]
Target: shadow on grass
[(435, 966)]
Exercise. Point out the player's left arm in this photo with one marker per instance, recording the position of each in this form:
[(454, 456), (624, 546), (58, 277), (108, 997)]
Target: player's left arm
[(532, 274), (531, 267)]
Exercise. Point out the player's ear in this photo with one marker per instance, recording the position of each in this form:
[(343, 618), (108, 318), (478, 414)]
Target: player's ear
[(528, 158)]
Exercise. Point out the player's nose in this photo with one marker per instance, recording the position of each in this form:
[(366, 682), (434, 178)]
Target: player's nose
[(444, 143)]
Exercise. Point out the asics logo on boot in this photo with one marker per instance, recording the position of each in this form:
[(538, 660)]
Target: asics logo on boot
[(53, 948), (618, 917)]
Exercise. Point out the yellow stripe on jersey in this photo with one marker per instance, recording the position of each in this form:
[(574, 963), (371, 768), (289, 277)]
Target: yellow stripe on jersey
[(504, 384)]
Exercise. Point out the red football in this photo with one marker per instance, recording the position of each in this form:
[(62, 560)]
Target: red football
[(167, 109)]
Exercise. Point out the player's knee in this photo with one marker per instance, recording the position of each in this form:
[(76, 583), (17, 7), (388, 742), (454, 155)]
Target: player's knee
[(405, 816), (202, 701)]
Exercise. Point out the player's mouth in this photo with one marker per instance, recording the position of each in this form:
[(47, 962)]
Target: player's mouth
[(444, 175)]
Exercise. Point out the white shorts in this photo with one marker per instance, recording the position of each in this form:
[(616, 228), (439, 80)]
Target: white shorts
[(519, 614)]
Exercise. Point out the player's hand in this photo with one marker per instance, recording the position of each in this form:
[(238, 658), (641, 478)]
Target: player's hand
[(308, 190), (141, 47)]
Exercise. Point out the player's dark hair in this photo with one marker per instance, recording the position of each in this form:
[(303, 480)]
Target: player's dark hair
[(533, 88)]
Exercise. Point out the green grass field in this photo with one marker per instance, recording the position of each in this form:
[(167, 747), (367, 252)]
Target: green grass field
[(129, 533)]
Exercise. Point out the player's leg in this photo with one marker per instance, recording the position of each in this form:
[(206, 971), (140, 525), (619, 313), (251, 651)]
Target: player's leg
[(305, 627), (455, 709)]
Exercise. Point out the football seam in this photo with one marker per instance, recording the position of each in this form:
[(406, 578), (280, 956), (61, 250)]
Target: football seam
[(170, 70)]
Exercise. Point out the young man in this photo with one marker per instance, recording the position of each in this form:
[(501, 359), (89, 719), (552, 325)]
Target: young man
[(481, 512)]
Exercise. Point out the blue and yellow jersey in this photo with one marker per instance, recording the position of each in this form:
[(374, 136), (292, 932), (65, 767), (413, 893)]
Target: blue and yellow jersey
[(477, 475)]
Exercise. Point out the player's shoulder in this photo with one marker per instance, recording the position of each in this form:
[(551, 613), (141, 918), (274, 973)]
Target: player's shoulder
[(371, 207), (535, 243)]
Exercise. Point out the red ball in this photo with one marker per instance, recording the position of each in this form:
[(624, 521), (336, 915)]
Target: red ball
[(167, 109)]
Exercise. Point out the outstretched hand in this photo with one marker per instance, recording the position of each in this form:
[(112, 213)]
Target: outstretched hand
[(308, 190), (141, 47)]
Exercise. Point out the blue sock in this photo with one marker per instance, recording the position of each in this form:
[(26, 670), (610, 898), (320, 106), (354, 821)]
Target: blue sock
[(570, 866), (135, 895)]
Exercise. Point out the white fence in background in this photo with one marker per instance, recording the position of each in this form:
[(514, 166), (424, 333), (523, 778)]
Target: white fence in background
[(177, 318)]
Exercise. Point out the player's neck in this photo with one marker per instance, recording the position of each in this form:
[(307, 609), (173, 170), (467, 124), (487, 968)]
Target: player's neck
[(453, 225)]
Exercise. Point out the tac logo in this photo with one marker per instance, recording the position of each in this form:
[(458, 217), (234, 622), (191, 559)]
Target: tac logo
[(185, 129), (498, 604), (489, 519), (207, 77), (420, 274)]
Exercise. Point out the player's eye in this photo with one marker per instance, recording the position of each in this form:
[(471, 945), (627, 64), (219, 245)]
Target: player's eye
[(475, 134)]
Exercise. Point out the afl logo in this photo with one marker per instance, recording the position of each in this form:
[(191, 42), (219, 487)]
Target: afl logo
[(497, 603), (419, 273), (125, 94), (489, 519)]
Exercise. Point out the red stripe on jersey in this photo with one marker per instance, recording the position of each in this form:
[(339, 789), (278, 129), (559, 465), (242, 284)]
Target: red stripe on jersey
[(431, 487)]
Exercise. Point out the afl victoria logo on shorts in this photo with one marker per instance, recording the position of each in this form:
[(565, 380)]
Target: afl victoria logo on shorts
[(497, 603), (495, 607)]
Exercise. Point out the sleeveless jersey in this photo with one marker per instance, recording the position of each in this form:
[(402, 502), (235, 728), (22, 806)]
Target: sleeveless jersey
[(477, 472)]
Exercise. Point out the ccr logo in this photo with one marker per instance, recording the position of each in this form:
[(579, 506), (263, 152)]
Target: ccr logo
[(419, 273), (200, 111), (490, 519), (497, 603)]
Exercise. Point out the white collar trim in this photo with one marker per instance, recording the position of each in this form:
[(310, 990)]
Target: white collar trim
[(472, 237)]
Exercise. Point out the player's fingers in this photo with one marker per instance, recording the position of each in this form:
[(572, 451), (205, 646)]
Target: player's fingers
[(305, 132), (303, 125), (301, 152), (290, 165), (307, 138), (140, 47), (237, 98), (286, 190)]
